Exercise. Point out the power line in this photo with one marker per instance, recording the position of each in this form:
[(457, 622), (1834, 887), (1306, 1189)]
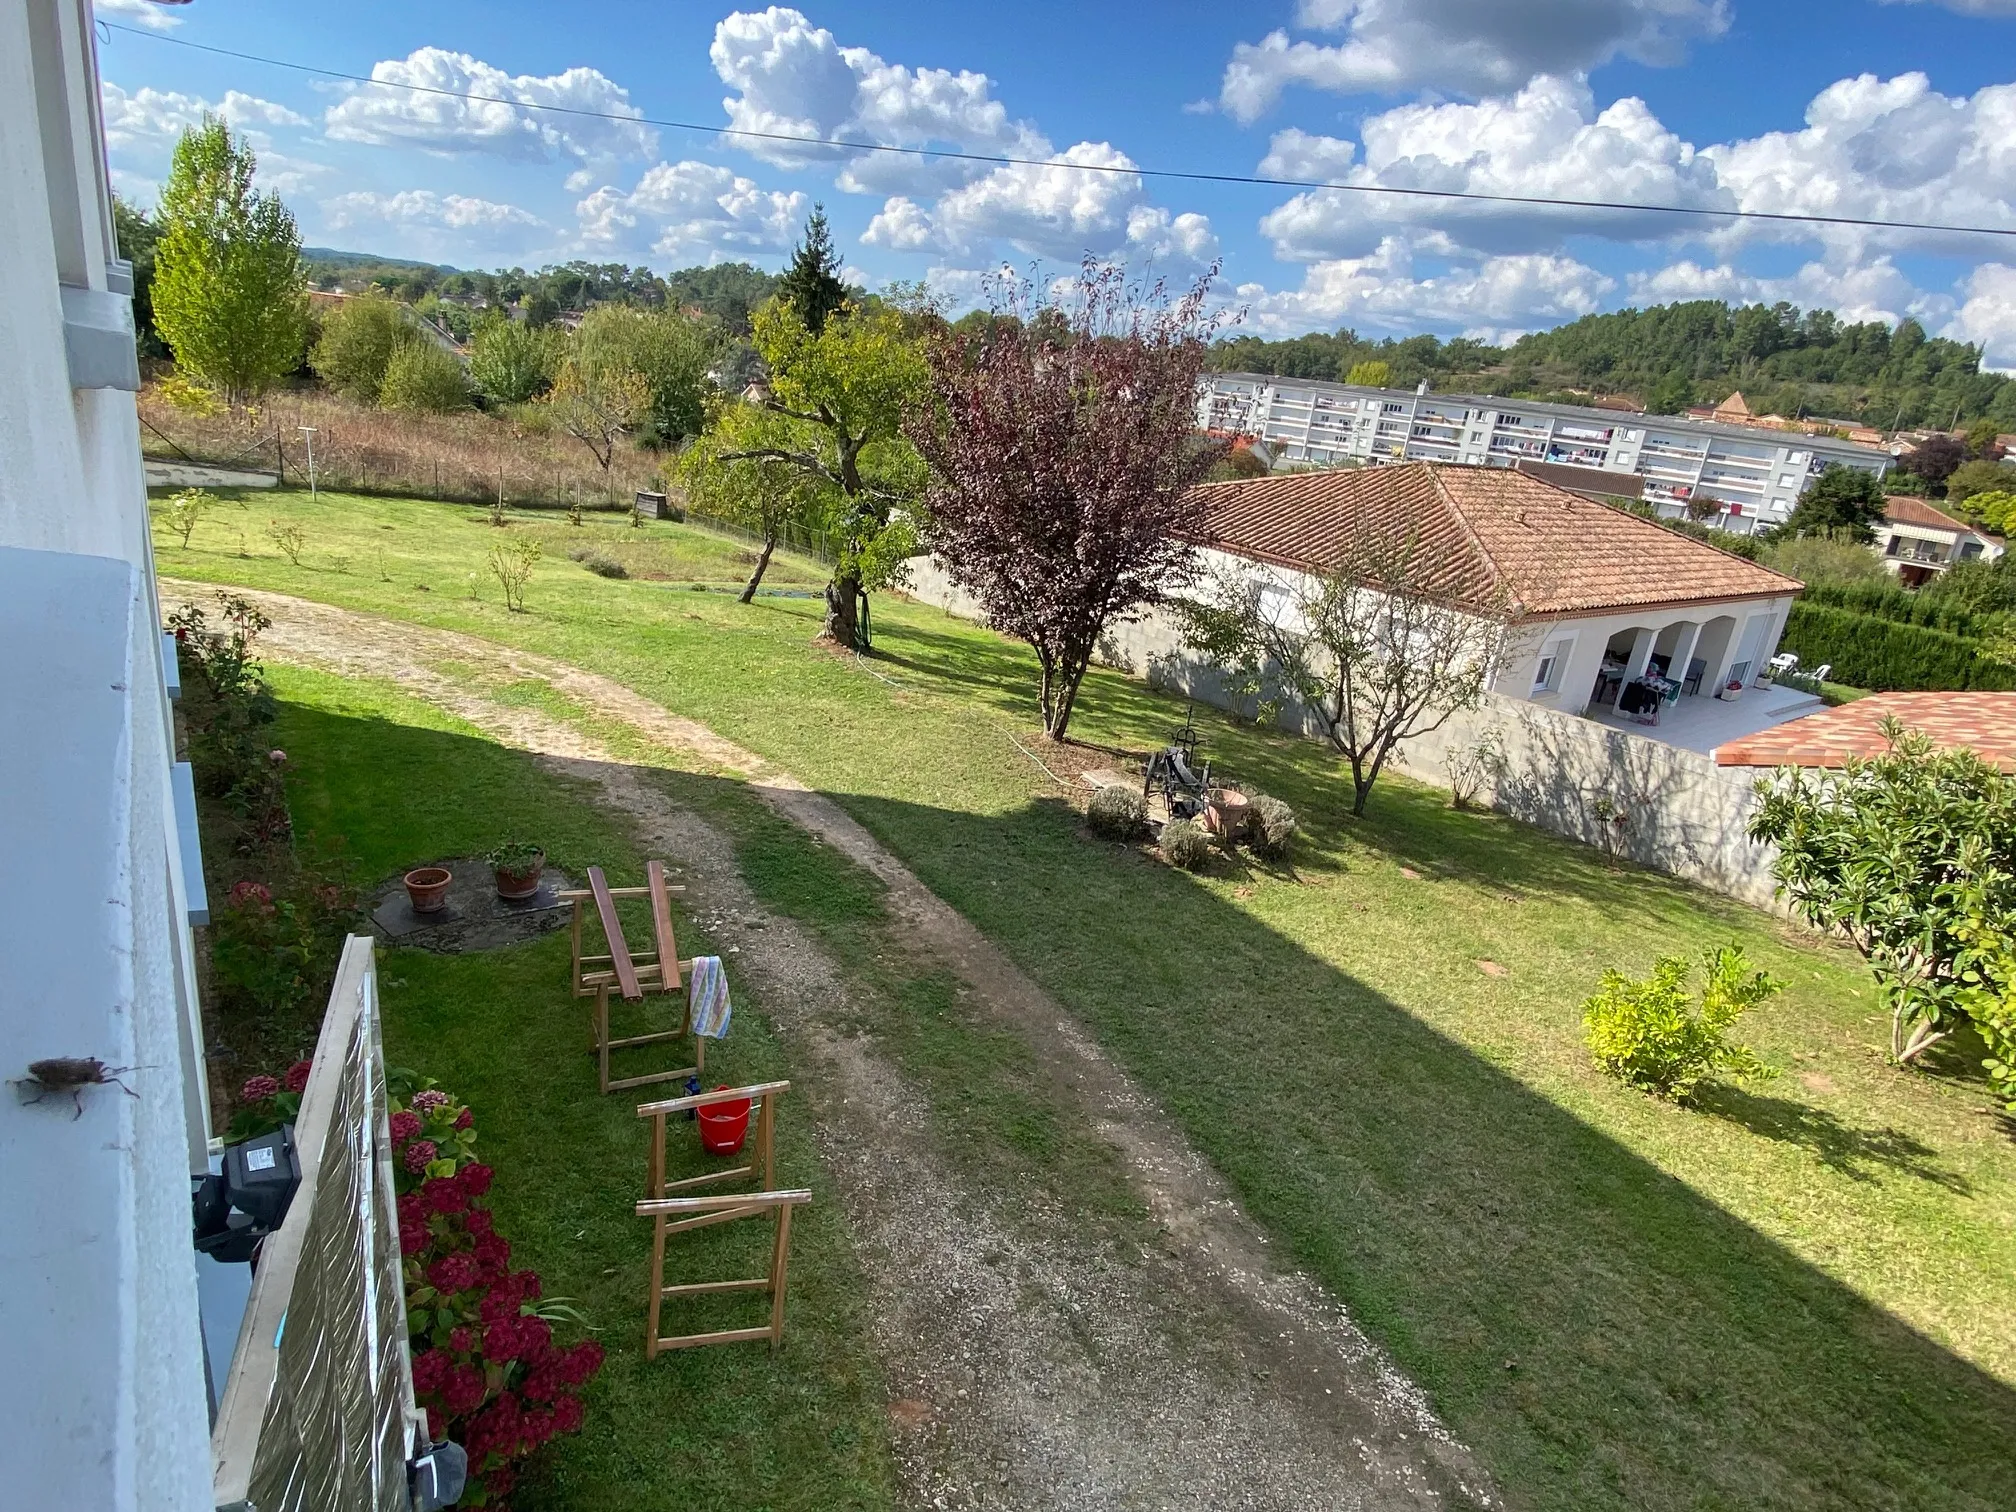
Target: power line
[(1181, 175)]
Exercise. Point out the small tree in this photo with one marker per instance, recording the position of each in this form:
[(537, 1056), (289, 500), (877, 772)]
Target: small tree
[(512, 361), (598, 405), (1843, 502), (511, 563), (764, 494), (834, 410), (1825, 559), (229, 289), (812, 285), (357, 342), (1063, 455), (423, 377), (1984, 441), (186, 509), (1898, 852), (1979, 477), (1368, 647)]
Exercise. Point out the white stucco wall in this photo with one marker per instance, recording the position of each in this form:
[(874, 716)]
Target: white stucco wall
[(105, 1404)]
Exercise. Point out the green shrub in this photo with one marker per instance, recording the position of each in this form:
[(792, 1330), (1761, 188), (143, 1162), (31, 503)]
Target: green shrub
[(1117, 813), (422, 377), (357, 344), (599, 562), (1650, 1034), (1885, 655), (1186, 844), (1885, 598), (1273, 827)]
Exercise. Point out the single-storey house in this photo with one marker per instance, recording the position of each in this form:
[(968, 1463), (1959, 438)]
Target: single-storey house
[(1619, 614), (1918, 542)]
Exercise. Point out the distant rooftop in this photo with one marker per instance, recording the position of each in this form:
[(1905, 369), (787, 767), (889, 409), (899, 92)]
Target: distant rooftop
[(1902, 509), (1984, 723)]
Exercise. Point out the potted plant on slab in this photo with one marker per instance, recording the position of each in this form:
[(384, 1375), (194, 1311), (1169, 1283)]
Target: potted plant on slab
[(427, 888), (517, 864)]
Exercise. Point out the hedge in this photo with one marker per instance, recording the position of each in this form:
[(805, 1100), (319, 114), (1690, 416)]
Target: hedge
[(1885, 655), (1891, 602)]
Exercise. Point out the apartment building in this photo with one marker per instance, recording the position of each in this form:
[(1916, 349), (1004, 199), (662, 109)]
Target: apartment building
[(1751, 477)]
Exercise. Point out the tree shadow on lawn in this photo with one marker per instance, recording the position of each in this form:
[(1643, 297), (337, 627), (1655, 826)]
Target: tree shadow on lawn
[(1601, 1333), (1838, 1145)]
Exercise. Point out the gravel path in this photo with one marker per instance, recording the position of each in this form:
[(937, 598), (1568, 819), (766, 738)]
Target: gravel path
[(1028, 1366)]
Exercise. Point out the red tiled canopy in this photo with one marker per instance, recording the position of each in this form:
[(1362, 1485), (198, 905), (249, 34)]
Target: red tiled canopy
[(1984, 723)]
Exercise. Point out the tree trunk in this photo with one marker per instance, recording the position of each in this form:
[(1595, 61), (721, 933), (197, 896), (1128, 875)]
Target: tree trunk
[(1060, 696), (843, 624), (762, 564)]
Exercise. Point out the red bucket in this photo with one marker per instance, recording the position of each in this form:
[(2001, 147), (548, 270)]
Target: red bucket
[(724, 1126)]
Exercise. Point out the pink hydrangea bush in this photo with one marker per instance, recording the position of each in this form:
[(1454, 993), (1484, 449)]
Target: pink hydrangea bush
[(485, 1365)]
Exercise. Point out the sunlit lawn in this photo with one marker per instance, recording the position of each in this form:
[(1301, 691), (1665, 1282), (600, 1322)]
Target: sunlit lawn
[(1802, 1295)]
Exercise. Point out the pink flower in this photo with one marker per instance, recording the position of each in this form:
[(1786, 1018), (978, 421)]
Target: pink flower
[(464, 1391), (478, 1222), (419, 1154), (405, 1125), (581, 1362), (250, 895), (465, 1118), (258, 1089), (430, 1371), (567, 1415), (296, 1079), (277, 757), (475, 1179), (462, 1338), (453, 1273), (427, 1101), (443, 1194)]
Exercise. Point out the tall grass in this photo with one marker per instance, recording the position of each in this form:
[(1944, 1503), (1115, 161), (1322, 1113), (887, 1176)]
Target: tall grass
[(470, 457)]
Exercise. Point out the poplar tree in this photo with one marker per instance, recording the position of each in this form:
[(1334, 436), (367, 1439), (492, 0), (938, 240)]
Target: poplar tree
[(229, 288)]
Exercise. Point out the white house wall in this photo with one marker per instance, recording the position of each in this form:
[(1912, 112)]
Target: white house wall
[(107, 1405)]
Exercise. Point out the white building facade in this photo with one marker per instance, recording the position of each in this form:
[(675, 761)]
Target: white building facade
[(1754, 475), (104, 1403)]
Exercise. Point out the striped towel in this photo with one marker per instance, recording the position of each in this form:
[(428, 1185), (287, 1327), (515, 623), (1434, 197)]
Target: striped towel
[(707, 996)]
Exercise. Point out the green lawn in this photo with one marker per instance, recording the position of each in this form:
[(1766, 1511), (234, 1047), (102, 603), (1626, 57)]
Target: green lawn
[(1803, 1295), (736, 1427)]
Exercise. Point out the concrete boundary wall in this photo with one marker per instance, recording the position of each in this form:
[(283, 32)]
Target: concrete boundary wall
[(1661, 806)]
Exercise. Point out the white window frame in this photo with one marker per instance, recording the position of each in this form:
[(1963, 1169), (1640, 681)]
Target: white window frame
[(1552, 663)]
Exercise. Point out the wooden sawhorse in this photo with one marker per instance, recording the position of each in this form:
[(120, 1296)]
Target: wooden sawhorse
[(658, 970)]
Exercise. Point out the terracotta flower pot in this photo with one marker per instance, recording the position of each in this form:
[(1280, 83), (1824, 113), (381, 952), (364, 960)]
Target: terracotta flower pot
[(1229, 813), (427, 888), (519, 882)]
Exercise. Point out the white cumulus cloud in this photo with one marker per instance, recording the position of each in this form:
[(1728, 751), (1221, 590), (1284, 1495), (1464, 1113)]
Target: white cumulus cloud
[(423, 207), (1386, 290), (691, 209), (794, 79), (1473, 47), (503, 122), (1987, 317), (1547, 141), (148, 117), (1086, 199)]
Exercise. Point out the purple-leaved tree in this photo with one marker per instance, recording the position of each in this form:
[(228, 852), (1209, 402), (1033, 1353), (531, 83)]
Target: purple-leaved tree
[(1062, 445)]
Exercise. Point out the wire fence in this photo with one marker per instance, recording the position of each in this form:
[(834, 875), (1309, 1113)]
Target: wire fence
[(816, 544), (470, 458)]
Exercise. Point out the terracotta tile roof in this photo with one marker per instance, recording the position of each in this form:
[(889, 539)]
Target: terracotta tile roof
[(1586, 480), (1902, 509), (1985, 723), (1499, 536)]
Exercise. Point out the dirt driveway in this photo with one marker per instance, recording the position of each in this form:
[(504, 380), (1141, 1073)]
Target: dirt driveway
[(1027, 1367)]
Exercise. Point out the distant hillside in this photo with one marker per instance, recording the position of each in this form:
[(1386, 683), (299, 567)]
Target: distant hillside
[(1784, 360), (327, 258)]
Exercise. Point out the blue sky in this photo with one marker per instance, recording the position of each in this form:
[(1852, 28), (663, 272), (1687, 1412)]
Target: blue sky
[(1892, 109)]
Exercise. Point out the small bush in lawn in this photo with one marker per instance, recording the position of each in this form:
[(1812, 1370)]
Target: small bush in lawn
[(1117, 813), (599, 562), (1186, 844), (1649, 1033), (511, 563), (1272, 829)]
